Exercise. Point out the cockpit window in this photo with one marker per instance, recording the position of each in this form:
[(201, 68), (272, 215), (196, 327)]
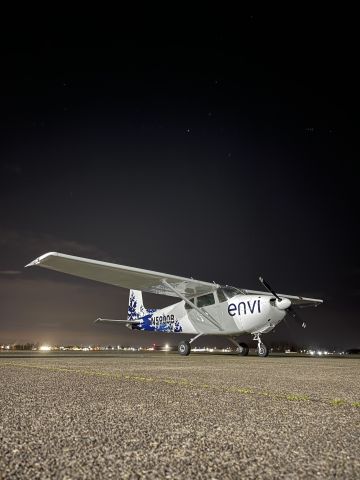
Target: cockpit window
[(230, 292), (221, 295), (205, 300)]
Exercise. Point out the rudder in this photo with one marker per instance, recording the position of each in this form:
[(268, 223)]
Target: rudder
[(136, 307)]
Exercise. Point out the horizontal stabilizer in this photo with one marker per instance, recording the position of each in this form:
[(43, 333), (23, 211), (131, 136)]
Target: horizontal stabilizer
[(110, 320)]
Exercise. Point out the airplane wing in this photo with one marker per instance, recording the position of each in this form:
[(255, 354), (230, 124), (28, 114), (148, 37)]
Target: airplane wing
[(122, 276), (296, 301)]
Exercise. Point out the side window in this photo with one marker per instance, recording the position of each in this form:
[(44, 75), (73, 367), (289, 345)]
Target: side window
[(205, 300), (221, 295), (187, 306)]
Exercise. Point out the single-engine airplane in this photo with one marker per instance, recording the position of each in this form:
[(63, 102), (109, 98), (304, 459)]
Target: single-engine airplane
[(204, 308)]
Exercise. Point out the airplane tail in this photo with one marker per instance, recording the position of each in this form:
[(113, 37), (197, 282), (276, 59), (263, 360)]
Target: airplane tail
[(136, 307)]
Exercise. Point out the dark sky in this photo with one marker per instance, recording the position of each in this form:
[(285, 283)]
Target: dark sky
[(221, 160)]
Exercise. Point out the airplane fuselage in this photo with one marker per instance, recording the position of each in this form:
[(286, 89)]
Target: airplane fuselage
[(238, 315)]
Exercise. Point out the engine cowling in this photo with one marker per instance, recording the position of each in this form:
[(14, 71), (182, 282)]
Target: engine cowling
[(282, 304)]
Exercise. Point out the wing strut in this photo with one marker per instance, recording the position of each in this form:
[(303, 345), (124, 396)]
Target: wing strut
[(202, 312)]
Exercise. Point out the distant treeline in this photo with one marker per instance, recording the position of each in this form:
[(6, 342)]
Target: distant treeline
[(24, 346)]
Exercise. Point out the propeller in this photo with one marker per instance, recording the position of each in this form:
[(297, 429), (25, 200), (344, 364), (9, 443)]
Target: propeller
[(283, 303)]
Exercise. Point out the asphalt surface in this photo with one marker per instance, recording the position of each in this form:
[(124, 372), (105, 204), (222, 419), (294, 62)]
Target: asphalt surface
[(159, 415)]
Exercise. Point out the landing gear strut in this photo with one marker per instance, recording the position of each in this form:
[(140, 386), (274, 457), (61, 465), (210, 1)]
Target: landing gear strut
[(241, 348), (262, 349)]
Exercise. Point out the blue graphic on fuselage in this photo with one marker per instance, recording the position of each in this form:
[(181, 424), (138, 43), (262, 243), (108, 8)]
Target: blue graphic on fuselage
[(149, 322)]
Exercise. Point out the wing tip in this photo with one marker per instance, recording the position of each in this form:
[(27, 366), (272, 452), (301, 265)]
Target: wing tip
[(41, 259)]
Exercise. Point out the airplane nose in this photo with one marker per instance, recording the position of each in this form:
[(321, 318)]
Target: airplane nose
[(282, 304)]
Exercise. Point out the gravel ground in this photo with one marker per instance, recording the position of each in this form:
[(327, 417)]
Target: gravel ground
[(159, 415)]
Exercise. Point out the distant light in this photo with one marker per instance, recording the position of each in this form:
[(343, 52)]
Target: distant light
[(45, 348), (167, 346), (319, 352)]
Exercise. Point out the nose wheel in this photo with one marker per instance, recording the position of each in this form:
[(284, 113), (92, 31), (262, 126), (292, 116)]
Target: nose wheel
[(262, 349)]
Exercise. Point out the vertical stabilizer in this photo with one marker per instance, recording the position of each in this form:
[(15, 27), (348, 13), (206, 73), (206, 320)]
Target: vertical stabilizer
[(136, 307)]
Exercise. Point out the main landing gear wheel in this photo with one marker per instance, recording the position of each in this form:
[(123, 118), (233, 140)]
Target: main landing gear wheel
[(243, 349), (263, 350), (184, 348)]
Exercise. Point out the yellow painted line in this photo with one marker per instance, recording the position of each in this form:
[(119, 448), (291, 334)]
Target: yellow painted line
[(185, 383)]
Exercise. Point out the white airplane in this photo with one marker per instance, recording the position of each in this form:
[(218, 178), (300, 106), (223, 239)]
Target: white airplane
[(205, 308)]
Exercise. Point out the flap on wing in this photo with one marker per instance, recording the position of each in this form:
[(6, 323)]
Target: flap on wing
[(296, 301), (122, 276)]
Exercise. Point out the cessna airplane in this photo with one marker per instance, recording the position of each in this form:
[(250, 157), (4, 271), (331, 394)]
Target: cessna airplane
[(204, 308)]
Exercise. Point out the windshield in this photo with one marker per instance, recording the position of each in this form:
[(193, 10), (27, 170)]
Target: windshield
[(230, 292)]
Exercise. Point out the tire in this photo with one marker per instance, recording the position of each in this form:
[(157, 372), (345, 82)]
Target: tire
[(263, 350), (243, 349), (184, 348)]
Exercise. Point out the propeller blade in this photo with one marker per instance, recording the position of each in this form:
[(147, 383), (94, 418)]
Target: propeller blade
[(296, 317), (289, 310), (269, 288)]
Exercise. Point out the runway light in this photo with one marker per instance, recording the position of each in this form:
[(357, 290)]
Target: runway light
[(44, 348)]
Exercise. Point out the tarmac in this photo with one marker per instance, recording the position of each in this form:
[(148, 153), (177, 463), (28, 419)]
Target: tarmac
[(158, 415)]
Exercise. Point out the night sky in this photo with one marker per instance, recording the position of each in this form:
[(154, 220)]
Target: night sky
[(222, 160)]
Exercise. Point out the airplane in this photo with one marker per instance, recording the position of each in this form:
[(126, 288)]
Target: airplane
[(204, 308)]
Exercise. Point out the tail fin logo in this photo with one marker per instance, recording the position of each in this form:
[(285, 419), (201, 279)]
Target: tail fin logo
[(136, 309)]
